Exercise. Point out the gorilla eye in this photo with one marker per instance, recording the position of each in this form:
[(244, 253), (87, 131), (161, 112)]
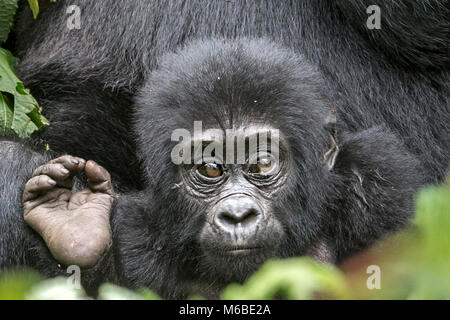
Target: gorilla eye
[(210, 170), (264, 167)]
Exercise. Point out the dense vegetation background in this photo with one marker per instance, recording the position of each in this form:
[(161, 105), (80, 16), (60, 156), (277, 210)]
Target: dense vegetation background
[(413, 264)]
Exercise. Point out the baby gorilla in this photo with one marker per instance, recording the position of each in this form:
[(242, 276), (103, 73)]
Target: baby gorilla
[(208, 221)]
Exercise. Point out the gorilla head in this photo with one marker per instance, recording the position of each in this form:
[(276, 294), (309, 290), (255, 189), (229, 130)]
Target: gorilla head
[(224, 216)]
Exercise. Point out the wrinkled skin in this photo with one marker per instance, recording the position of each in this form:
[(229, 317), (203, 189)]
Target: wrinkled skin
[(75, 226)]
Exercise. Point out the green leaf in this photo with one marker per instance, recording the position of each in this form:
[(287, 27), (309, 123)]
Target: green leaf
[(14, 285), (34, 5), (109, 291), (296, 278), (26, 117), (7, 10), (56, 289), (146, 294), (6, 116)]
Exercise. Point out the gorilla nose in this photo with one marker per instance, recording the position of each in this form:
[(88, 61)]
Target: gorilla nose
[(236, 211)]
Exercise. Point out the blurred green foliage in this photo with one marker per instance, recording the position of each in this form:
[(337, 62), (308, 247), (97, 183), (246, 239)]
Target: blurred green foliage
[(16, 285), (296, 278), (20, 113), (7, 10), (414, 264)]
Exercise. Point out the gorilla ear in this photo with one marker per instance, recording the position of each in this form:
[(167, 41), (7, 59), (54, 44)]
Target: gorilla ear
[(331, 154)]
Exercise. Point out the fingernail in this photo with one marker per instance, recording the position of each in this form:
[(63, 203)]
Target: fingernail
[(74, 161), (64, 171), (51, 182)]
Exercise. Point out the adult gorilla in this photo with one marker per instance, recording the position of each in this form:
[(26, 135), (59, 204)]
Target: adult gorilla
[(87, 78)]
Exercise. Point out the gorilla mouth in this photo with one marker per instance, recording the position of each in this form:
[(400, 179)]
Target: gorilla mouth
[(242, 250)]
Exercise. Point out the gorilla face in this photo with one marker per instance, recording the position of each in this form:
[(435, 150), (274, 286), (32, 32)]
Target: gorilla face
[(229, 212), (240, 229)]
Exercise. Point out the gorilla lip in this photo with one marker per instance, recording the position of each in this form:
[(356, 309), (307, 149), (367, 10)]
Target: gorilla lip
[(238, 250)]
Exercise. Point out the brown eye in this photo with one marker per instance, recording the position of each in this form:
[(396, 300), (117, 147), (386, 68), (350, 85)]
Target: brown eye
[(263, 166), (211, 170)]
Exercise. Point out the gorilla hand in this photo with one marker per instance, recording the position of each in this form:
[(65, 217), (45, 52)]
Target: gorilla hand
[(75, 226)]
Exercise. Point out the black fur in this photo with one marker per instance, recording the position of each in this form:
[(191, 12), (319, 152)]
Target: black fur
[(390, 95)]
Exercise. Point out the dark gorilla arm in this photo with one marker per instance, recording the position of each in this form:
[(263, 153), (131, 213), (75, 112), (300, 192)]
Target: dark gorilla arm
[(39, 201), (19, 245), (374, 181), (87, 120)]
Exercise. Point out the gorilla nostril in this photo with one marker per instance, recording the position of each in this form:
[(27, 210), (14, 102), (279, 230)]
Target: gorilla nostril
[(227, 218), (235, 211), (245, 217)]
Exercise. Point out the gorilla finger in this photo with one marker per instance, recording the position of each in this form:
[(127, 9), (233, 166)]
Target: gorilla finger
[(36, 185), (98, 177), (73, 164), (54, 170), (57, 172)]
